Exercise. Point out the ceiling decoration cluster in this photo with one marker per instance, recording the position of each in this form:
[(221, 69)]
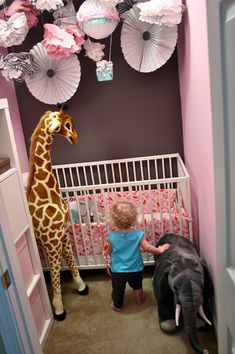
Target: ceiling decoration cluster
[(51, 69)]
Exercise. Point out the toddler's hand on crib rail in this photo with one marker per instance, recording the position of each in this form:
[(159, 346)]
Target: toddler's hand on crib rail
[(109, 271), (164, 247)]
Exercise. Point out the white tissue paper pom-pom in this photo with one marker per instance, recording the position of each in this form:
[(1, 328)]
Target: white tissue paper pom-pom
[(48, 4), (112, 2), (14, 30), (161, 12)]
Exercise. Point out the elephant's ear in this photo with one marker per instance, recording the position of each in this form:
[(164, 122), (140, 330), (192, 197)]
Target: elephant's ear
[(208, 290), (160, 280)]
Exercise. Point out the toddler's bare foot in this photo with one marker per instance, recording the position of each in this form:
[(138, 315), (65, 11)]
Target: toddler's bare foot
[(141, 301), (139, 296), (115, 308)]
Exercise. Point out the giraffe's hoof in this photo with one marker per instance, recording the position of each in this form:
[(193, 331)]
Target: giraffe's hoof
[(84, 292), (60, 317)]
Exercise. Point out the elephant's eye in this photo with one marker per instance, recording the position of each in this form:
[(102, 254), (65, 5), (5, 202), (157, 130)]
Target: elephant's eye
[(68, 126)]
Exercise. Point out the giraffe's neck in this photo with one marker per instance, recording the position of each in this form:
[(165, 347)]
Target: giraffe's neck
[(42, 154), (44, 187)]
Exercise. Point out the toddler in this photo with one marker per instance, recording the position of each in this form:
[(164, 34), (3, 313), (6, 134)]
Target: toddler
[(124, 246)]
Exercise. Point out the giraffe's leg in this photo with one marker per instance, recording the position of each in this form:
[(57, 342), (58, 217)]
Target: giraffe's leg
[(68, 256), (54, 260)]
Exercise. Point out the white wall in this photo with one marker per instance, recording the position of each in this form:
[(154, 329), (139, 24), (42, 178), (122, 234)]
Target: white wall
[(197, 125)]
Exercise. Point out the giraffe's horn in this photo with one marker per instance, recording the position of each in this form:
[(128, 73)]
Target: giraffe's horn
[(55, 126)]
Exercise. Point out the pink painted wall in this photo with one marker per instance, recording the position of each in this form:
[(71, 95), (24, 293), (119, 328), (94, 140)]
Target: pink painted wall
[(7, 90), (197, 125)]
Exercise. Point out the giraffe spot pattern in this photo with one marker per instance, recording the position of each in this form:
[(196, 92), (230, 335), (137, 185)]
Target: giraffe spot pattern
[(49, 213), (41, 190)]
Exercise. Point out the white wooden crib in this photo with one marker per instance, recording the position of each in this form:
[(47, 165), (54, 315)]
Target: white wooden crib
[(158, 185)]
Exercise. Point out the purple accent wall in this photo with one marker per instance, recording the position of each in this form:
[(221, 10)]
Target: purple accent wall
[(134, 115), (7, 90), (197, 125)]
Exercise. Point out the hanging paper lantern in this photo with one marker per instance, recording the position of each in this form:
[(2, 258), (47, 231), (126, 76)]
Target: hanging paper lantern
[(97, 19)]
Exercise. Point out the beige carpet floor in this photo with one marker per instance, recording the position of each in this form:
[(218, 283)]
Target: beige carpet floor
[(91, 327)]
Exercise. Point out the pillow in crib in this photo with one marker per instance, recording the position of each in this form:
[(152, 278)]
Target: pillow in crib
[(85, 211)]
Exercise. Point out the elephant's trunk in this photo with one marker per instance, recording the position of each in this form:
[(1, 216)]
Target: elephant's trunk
[(193, 340), (190, 329), (190, 315), (190, 301)]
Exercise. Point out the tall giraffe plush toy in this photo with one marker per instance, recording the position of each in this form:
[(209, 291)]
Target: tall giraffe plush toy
[(49, 212)]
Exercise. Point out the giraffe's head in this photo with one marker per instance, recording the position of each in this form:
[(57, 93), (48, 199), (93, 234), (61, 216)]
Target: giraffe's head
[(61, 123)]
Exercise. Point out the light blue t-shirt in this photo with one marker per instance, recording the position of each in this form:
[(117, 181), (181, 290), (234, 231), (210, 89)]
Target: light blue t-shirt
[(126, 256)]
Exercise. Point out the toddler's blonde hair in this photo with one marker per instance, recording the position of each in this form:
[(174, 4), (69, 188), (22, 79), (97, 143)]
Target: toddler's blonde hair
[(123, 214)]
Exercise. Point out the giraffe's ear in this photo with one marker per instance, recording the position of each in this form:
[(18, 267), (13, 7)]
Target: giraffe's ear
[(55, 126)]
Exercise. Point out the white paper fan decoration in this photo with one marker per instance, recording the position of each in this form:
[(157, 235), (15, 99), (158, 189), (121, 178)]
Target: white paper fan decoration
[(146, 47), (54, 81)]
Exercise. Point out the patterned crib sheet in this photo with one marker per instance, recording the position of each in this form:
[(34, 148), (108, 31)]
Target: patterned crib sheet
[(162, 212)]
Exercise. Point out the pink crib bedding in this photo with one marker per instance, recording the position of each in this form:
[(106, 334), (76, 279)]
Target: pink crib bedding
[(160, 212)]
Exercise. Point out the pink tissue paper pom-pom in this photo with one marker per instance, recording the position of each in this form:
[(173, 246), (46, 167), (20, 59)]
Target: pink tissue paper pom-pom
[(58, 42), (2, 15), (23, 6), (57, 53), (77, 33)]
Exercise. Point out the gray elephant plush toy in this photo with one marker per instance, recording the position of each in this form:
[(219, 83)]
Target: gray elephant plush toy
[(182, 281)]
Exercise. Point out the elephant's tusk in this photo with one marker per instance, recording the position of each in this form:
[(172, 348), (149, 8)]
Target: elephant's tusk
[(201, 312), (177, 314)]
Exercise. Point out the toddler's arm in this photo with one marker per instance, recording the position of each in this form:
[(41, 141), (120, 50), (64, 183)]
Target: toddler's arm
[(146, 246), (106, 253)]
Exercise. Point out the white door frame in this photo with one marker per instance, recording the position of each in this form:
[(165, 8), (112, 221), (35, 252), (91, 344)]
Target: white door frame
[(220, 15)]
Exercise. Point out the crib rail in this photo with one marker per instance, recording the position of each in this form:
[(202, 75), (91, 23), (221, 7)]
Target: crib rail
[(119, 171)]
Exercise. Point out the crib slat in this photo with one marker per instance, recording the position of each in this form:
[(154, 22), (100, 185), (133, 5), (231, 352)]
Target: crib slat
[(71, 176), (99, 176), (179, 209), (120, 171), (78, 176), (113, 174), (92, 175), (148, 170), (105, 173), (127, 172), (134, 170)]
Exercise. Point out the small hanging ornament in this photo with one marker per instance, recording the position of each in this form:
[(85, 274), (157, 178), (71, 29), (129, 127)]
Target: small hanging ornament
[(104, 70)]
